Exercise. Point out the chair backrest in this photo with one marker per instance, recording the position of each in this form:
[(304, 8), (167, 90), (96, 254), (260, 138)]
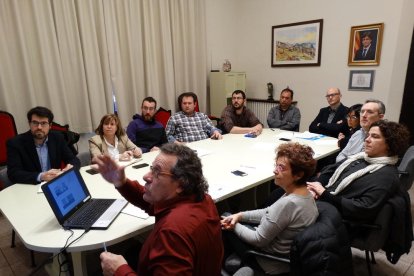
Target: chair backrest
[(322, 248), (71, 137), (8, 130), (162, 115), (4, 179), (406, 169), (85, 158), (374, 235)]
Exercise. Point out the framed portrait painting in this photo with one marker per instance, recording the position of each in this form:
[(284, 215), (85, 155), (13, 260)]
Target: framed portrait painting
[(297, 44), (365, 44)]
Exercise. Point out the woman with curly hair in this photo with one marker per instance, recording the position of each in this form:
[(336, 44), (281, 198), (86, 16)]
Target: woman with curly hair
[(360, 186), (277, 225)]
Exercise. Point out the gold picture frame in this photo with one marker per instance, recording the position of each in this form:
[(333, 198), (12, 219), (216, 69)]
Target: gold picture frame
[(365, 45)]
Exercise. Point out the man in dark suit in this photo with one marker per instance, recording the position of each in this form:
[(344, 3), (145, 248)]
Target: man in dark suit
[(331, 119), (38, 155), (367, 51)]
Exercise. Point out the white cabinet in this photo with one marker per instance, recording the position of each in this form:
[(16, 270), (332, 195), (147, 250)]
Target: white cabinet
[(222, 85)]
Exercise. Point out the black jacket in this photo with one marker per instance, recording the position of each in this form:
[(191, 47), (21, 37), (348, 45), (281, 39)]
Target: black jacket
[(23, 165), (329, 129), (401, 231), (323, 248)]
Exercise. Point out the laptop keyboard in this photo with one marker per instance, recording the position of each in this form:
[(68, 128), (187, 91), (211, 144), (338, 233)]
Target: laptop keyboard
[(91, 212), (110, 213)]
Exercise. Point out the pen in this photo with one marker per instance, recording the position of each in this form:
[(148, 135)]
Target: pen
[(272, 129), (104, 246)]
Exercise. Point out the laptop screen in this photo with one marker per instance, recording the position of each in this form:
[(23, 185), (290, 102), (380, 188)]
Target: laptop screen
[(66, 193)]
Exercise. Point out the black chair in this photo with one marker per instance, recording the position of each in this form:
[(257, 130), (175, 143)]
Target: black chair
[(371, 237), (391, 231), (4, 179), (321, 249), (406, 169)]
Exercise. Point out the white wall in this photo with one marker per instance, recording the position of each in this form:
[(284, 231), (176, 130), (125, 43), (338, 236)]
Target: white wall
[(240, 30)]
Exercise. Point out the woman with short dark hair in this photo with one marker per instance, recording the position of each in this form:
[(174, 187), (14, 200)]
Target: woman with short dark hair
[(352, 125)]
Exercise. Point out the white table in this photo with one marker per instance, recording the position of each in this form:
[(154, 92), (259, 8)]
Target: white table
[(33, 220)]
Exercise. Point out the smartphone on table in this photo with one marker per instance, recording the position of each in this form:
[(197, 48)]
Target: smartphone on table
[(239, 173)]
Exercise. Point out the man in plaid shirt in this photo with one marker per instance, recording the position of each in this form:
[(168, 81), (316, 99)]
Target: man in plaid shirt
[(187, 125)]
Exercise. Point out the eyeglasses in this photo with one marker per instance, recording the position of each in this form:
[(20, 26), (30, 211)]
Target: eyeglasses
[(156, 172), (280, 168), (331, 95), (353, 117), (36, 123)]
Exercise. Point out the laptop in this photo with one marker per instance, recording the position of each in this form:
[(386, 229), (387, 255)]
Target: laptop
[(73, 205)]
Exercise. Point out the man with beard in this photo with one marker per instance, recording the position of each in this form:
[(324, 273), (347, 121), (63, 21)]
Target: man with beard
[(187, 125), (284, 115), (38, 154), (237, 118), (144, 131)]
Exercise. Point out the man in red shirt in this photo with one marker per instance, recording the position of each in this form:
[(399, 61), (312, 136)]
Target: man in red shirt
[(186, 239)]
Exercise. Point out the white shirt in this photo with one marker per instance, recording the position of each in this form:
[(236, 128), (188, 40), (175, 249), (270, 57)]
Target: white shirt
[(113, 150)]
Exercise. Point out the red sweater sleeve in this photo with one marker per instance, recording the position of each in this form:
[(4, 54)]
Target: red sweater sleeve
[(125, 270)]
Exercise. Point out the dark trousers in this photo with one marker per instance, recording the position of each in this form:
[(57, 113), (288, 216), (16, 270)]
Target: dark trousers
[(232, 244)]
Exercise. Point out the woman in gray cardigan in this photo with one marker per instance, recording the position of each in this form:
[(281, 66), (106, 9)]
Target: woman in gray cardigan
[(111, 139), (277, 225)]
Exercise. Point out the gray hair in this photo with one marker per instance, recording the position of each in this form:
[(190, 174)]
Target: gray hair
[(188, 170), (381, 105)]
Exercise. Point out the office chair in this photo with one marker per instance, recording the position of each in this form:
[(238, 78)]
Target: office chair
[(4, 179), (8, 130), (391, 231), (406, 169), (84, 158), (322, 248), (371, 237), (162, 115), (70, 137)]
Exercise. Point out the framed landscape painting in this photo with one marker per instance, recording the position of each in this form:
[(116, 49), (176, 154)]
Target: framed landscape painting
[(297, 44)]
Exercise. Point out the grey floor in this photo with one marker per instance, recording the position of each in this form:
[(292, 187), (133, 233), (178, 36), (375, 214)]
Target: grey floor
[(16, 261)]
